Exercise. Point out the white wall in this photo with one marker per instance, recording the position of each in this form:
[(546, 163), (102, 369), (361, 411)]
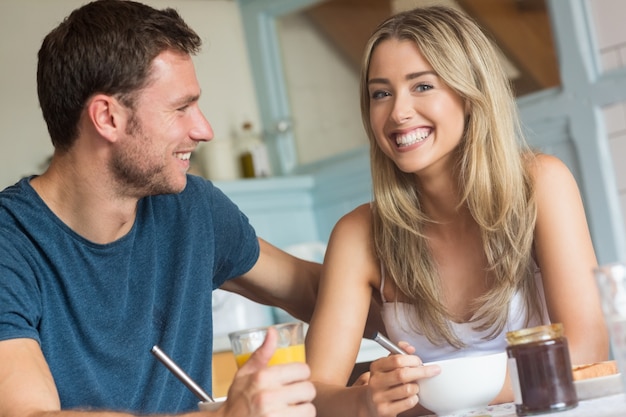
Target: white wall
[(222, 66), (323, 90)]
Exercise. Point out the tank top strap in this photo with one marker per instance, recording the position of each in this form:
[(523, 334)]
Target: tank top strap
[(382, 270), (382, 283)]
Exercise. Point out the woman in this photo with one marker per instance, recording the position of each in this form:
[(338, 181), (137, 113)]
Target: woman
[(470, 233)]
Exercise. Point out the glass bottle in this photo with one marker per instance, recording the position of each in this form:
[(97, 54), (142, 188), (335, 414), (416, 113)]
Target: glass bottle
[(541, 370), (253, 156)]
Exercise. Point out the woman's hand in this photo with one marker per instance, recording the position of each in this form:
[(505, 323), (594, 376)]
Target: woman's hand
[(394, 382)]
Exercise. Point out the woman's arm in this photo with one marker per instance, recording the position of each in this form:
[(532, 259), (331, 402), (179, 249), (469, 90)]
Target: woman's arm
[(350, 274), (566, 258), (345, 290)]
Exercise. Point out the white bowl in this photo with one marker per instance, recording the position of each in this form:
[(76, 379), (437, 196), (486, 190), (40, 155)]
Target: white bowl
[(464, 384), (211, 406)]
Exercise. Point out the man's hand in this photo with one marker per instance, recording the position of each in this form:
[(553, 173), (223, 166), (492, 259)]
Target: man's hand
[(262, 391)]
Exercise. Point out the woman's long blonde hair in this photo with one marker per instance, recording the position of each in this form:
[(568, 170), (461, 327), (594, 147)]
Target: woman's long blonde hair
[(492, 172)]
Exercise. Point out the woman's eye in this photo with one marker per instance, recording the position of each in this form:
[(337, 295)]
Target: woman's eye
[(379, 94), (423, 87)]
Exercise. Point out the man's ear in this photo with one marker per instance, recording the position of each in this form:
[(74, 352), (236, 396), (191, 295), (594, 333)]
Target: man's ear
[(107, 115)]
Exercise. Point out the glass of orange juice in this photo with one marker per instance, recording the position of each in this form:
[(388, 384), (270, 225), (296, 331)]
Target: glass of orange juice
[(290, 347)]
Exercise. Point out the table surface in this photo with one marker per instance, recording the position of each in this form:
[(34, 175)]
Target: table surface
[(610, 406)]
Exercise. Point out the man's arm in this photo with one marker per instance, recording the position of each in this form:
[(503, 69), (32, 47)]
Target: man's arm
[(26, 384), (27, 388), (280, 279)]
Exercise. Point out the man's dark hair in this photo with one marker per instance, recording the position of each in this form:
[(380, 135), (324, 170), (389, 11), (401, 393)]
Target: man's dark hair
[(106, 46)]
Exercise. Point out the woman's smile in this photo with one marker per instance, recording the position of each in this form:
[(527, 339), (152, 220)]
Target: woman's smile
[(406, 139)]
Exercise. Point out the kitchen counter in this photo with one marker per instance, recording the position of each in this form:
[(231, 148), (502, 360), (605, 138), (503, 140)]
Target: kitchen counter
[(369, 350), (607, 406), (610, 406)]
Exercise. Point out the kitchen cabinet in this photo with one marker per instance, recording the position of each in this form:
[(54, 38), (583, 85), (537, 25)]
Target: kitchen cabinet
[(224, 368), (291, 209)]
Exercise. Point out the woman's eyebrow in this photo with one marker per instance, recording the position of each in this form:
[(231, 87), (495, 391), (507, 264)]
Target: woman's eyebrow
[(378, 81), (410, 76), (414, 75)]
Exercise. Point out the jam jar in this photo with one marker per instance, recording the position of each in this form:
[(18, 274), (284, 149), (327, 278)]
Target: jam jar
[(540, 370)]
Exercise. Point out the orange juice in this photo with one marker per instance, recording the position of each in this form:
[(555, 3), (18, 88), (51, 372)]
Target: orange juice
[(282, 355)]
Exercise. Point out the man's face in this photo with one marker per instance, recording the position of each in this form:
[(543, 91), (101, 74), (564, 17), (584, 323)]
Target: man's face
[(165, 127)]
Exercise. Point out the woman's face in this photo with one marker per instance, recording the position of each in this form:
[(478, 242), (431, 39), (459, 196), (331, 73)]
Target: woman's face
[(416, 118)]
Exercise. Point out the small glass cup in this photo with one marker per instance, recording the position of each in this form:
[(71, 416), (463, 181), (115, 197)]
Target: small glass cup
[(290, 346), (611, 281)]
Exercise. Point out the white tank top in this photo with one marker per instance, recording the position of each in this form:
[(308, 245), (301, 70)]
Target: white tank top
[(398, 329)]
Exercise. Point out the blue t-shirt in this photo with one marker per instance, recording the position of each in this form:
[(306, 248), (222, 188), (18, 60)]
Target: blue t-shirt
[(97, 310)]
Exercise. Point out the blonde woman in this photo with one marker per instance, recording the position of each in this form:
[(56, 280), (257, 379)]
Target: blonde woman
[(470, 233)]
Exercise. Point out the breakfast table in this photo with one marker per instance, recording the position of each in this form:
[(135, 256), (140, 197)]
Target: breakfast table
[(607, 406)]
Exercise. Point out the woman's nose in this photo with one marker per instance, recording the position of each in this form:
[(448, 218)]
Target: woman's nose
[(402, 109)]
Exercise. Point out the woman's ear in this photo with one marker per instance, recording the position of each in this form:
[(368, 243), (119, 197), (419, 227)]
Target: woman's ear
[(107, 115)]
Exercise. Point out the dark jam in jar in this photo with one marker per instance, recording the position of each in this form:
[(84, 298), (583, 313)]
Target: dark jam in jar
[(541, 371)]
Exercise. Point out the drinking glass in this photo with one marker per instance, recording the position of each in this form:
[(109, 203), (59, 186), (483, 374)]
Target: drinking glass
[(290, 346), (611, 281)]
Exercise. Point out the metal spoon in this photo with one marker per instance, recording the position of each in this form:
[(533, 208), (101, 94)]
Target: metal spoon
[(388, 344), (180, 374)]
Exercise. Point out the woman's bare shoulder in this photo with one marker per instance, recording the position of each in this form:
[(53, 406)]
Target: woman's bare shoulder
[(359, 217), (549, 171), (554, 184), (546, 165), (352, 238)]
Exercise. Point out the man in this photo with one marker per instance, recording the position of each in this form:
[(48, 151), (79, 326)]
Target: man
[(115, 249)]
